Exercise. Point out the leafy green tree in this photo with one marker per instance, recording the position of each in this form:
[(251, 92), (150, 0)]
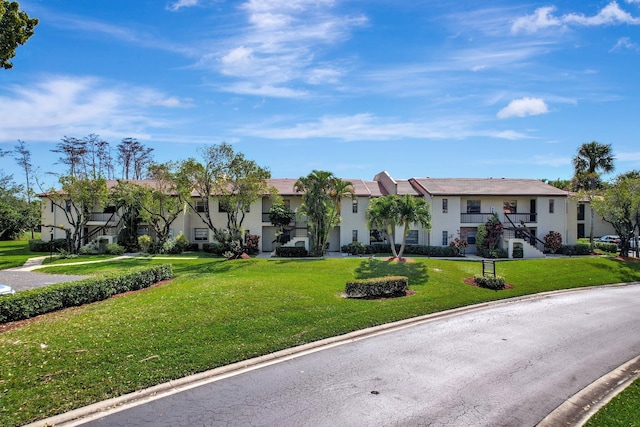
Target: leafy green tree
[(23, 159), (563, 184), (280, 216), (157, 204), (620, 207), (15, 29), (389, 212), (321, 205), (381, 216), (411, 210), (591, 160), (17, 215), (78, 198), (226, 176)]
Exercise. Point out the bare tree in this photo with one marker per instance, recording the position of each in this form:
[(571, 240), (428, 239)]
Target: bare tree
[(134, 158), (23, 158)]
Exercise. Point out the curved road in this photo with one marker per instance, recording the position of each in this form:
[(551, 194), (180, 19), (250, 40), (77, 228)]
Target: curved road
[(506, 364)]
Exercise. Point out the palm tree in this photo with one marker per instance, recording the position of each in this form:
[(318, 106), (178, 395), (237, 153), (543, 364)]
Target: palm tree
[(592, 159), (411, 210), (381, 215), (321, 205)]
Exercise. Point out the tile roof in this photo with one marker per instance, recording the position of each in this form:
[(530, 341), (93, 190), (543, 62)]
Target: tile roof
[(488, 187)]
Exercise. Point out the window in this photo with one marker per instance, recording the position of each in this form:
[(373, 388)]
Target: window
[(354, 208), (445, 205), (68, 205), (200, 205), (509, 206), (552, 206), (471, 237), (473, 206), (52, 206), (581, 212), (222, 206), (354, 235), (287, 203), (171, 232), (412, 237), (445, 238), (200, 234)]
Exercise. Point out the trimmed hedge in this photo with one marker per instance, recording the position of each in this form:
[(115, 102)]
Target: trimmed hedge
[(607, 247), (488, 282), (357, 248), (30, 303), (377, 287), (579, 249), (37, 245), (214, 248), (291, 252)]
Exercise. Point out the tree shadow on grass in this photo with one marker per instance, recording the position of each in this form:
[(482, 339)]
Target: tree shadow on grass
[(415, 271)]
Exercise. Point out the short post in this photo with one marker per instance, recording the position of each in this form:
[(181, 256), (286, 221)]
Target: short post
[(489, 267), (51, 246)]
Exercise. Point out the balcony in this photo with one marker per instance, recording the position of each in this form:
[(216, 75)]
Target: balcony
[(481, 218), (104, 217)]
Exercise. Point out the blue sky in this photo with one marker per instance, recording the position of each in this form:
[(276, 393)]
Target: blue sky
[(417, 88)]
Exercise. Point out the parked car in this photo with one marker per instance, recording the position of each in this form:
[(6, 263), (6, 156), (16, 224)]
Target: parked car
[(6, 290), (610, 239)]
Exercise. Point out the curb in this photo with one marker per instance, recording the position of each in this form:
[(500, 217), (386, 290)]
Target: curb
[(577, 410), (120, 403)]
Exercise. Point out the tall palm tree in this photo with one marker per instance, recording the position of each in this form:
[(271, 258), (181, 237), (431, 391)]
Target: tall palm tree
[(321, 205), (592, 159), (411, 210), (381, 215)]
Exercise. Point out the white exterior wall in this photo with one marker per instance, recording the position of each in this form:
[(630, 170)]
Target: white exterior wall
[(353, 221)]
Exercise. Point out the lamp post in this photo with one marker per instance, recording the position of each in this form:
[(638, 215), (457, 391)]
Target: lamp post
[(51, 245)]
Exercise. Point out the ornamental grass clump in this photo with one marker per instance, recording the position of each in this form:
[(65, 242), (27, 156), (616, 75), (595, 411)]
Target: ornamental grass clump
[(388, 286)]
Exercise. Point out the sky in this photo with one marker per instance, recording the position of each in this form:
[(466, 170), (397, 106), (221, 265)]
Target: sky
[(419, 88)]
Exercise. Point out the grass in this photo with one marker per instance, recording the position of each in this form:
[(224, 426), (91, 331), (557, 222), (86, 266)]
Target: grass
[(218, 312), (14, 253), (622, 411)]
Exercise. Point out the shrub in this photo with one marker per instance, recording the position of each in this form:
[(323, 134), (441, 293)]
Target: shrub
[(192, 247), (354, 248), (145, 243), (251, 244), (553, 241), (182, 243), (606, 246), (377, 287), (91, 248), (579, 249), (33, 302), (496, 253), (115, 249), (37, 245), (169, 247), (215, 248), (489, 282), (518, 252), (291, 252)]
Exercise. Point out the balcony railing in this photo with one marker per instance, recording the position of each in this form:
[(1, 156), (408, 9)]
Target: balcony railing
[(481, 218), (104, 217)]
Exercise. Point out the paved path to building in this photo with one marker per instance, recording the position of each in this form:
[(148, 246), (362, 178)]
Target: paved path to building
[(498, 364)]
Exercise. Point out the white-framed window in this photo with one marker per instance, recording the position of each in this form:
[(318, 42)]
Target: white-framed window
[(412, 237), (354, 235), (200, 234), (473, 206), (445, 205), (354, 208), (552, 206), (445, 238), (200, 205)]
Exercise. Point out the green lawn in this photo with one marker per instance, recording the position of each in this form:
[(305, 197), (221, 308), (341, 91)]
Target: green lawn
[(217, 312), (622, 411), (14, 253)]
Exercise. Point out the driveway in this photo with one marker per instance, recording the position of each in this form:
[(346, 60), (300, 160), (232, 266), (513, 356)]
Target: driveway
[(502, 364), (21, 280)]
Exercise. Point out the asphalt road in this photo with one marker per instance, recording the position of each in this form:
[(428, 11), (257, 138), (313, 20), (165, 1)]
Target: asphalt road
[(21, 280), (506, 365)]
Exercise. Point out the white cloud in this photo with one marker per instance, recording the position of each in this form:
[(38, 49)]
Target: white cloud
[(66, 105), (282, 44), (543, 18), (625, 43), (523, 107), (176, 5), (369, 127)]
